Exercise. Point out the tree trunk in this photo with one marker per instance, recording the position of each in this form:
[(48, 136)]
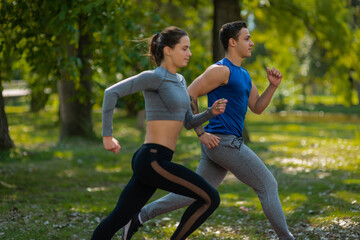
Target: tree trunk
[(5, 141), (357, 88), (38, 99), (224, 11), (75, 101)]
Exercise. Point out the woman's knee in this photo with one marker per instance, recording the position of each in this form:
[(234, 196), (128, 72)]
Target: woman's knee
[(214, 198)]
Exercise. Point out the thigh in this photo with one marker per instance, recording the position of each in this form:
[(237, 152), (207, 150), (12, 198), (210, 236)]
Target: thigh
[(181, 180), (242, 162), (210, 170), (254, 172)]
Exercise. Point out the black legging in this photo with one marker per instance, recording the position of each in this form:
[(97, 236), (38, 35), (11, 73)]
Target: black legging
[(153, 169)]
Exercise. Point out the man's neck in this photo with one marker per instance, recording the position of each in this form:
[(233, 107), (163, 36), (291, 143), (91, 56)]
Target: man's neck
[(236, 60)]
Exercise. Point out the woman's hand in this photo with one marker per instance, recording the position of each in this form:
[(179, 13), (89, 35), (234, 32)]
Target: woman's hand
[(111, 144), (219, 106)]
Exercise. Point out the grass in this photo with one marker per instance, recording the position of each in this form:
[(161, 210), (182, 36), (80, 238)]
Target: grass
[(61, 190)]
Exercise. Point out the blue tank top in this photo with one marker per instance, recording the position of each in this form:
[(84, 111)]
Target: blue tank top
[(237, 92)]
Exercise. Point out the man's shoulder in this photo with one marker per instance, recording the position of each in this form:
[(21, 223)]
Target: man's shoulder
[(218, 73), (218, 69)]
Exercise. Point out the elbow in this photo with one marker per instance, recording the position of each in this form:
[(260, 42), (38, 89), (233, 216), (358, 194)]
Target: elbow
[(257, 111), (188, 126), (107, 91), (106, 94)]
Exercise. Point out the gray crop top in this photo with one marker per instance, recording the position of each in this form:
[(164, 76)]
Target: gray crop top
[(165, 94)]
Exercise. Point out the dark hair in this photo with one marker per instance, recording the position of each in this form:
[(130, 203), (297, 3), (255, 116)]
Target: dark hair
[(168, 37), (230, 30)]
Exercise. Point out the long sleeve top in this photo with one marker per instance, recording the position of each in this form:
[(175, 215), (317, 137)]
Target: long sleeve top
[(165, 94)]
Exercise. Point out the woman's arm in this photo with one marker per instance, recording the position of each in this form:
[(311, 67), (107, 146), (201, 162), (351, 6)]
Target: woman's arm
[(192, 120), (143, 81)]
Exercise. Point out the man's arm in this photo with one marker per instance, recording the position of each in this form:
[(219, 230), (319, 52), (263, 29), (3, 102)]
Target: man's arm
[(194, 107), (257, 103), (213, 77)]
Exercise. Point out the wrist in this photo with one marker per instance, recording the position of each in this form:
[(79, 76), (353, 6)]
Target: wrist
[(273, 86), (199, 135), (210, 112)]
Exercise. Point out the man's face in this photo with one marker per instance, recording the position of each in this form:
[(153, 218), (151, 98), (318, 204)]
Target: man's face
[(244, 43)]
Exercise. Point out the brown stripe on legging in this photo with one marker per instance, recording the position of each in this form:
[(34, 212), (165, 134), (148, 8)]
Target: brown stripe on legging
[(190, 186)]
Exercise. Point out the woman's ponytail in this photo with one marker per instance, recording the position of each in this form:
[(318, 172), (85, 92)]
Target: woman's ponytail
[(168, 37), (155, 55)]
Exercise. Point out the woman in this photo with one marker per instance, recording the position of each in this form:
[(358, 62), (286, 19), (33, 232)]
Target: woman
[(167, 107)]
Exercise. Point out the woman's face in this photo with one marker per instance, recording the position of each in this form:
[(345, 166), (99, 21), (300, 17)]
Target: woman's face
[(180, 54)]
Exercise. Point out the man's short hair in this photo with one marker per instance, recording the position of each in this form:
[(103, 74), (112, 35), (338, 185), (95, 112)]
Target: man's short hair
[(230, 30)]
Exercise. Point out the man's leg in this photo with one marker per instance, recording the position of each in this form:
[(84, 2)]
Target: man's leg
[(209, 170), (235, 156)]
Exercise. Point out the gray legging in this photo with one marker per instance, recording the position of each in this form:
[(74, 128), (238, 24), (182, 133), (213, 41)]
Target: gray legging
[(230, 155)]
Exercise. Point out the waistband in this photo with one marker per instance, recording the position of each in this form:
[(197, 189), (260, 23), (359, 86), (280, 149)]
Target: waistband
[(229, 136), (160, 149)]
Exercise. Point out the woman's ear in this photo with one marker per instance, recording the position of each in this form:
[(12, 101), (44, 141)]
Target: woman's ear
[(167, 51)]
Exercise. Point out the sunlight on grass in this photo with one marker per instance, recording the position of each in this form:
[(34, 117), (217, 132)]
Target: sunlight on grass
[(352, 181), (346, 196), (97, 189), (81, 208), (64, 154), (228, 199), (294, 201), (103, 169)]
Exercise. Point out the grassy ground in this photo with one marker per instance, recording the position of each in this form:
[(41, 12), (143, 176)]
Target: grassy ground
[(51, 190)]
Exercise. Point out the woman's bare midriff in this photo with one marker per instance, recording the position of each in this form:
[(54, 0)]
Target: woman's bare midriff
[(163, 132)]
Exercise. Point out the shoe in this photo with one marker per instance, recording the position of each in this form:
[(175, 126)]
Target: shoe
[(131, 227)]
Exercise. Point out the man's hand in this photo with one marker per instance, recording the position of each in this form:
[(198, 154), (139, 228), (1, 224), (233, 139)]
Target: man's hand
[(111, 144), (219, 106), (274, 76), (209, 140)]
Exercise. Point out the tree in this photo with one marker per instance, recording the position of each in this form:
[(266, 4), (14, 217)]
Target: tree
[(7, 51), (320, 48), (224, 11), (5, 141), (354, 75), (58, 40), (75, 90)]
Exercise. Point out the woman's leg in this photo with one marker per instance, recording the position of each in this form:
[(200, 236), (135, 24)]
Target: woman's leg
[(179, 179), (132, 198), (210, 171)]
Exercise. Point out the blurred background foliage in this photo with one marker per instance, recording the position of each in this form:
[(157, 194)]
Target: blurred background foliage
[(80, 47)]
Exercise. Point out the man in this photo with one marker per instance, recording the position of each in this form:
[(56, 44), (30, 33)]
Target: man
[(222, 147)]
